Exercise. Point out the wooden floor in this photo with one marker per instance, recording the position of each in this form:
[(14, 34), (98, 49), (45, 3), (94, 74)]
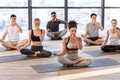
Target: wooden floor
[(20, 69)]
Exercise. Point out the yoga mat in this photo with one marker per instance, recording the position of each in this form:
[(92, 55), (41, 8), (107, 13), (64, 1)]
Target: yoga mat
[(96, 53), (52, 67), (12, 58), (2, 49)]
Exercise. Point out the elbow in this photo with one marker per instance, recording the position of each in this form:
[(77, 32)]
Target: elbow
[(119, 37), (80, 47), (21, 31), (101, 29), (27, 43)]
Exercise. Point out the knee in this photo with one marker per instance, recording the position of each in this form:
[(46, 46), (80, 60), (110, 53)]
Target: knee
[(88, 61), (22, 51), (61, 59), (49, 54), (2, 43)]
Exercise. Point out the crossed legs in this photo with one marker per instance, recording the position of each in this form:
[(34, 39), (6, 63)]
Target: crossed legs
[(57, 35), (13, 45), (95, 41)]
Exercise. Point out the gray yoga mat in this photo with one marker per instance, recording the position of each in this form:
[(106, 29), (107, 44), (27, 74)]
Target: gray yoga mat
[(52, 67), (96, 53), (2, 49), (12, 58)]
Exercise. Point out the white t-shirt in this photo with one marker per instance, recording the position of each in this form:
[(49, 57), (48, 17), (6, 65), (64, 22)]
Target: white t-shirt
[(113, 39), (13, 33)]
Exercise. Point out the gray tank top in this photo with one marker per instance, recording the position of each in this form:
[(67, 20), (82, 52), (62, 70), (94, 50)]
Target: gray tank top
[(71, 46)]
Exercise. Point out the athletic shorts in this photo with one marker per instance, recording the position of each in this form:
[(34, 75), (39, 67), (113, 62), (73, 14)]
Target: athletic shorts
[(94, 38), (14, 43)]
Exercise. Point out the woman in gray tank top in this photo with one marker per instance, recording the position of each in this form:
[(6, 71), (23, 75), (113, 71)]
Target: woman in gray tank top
[(71, 45)]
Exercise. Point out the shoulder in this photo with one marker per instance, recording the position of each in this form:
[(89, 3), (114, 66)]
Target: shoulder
[(59, 21), (88, 24), (65, 40), (98, 22), (50, 21)]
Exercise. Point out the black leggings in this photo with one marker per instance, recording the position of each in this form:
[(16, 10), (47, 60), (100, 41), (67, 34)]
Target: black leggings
[(110, 48), (43, 53)]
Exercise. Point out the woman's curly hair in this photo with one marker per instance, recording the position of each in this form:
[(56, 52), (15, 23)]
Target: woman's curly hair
[(72, 24)]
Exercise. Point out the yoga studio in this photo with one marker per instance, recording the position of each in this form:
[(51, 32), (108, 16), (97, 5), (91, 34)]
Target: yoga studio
[(59, 40)]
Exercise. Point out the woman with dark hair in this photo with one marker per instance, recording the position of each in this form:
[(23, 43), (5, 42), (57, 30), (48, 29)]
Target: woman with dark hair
[(71, 45), (36, 36), (112, 39)]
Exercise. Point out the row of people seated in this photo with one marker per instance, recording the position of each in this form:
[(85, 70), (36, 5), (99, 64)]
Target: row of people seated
[(90, 37), (71, 45)]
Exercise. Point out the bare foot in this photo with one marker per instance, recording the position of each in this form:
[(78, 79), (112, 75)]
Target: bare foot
[(36, 53)]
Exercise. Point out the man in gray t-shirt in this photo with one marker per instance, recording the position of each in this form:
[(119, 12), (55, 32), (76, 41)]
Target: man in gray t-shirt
[(92, 31)]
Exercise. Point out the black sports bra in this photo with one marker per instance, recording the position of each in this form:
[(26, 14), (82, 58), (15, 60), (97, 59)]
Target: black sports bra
[(73, 46), (35, 38)]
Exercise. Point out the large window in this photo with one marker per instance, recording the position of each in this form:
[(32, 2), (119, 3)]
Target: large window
[(22, 17), (48, 3), (82, 16), (111, 14), (112, 11), (84, 3), (79, 10), (13, 3), (112, 3)]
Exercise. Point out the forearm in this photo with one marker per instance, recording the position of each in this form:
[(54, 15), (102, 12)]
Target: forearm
[(118, 34), (85, 35), (61, 54), (79, 44), (19, 28), (99, 27), (42, 36), (3, 37), (26, 45), (104, 43)]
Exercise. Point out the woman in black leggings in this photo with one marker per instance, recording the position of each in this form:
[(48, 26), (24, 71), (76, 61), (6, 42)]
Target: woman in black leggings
[(112, 40), (36, 36)]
